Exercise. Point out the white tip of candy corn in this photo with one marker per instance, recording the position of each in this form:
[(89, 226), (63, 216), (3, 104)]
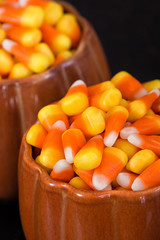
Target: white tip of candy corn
[(22, 3), (123, 180), (77, 83), (156, 91), (68, 154), (109, 187), (61, 165), (7, 44), (140, 93), (99, 181), (98, 136), (5, 26), (1, 11), (135, 140), (138, 185), (110, 139), (59, 125), (126, 131)]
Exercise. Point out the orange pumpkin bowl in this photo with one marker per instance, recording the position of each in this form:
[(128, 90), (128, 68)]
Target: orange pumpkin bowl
[(21, 99), (52, 209)]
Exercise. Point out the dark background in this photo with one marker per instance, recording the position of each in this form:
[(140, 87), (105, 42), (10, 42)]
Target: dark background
[(129, 33)]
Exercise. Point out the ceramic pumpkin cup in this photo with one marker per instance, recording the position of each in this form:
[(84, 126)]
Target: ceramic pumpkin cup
[(51, 209), (21, 99)]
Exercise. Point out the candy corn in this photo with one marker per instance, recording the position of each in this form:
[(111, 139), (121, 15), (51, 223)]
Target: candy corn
[(69, 26), (53, 11), (52, 150), (72, 140), (126, 147), (151, 142), (150, 85), (132, 147), (141, 160), (31, 16), (112, 163), (19, 70), (138, 108), (76, 99), (47, 169), (115, 120), (124, 102), (45, 49), (52, 116), (129, 86), (36, 135), (90, 155), (91, 122), (57, 41), (107, 99), (126, 179), (148, 125), (35, 61), (86, 176), (150, 177), (77, 182), (28, 37), (100, 87), (7, 61), (62, 170), (62, 56)]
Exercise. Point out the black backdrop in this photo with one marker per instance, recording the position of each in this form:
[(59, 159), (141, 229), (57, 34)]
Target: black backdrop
[(129, 33)]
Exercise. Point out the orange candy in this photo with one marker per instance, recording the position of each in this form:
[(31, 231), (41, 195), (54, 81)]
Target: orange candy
[(73, 140), (52, 150), (62, 170)]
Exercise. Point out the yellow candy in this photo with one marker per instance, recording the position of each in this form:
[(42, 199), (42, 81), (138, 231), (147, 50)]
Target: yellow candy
[(150, 112), (36, 135), (52, 114), (52, 150), (77, 182), (52, 13), (126, 147), (32, 16), (45, 49), (124, 102), (90, 155), (76, 99), (31, 37), (141, 160), (38, 62), (37, 160), (107, 99), (19, 70), (7, 61), (150, 85), (91, 121), (139, 108)]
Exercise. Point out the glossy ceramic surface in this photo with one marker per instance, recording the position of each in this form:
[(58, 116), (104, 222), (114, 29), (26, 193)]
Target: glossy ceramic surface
[(53, 210), (21, 99)]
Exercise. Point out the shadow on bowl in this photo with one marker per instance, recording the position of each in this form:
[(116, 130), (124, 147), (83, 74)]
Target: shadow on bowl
[(21, 99), (52, 209)]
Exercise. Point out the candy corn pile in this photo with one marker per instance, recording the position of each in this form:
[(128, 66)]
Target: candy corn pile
[(35, 35), (102, 137)]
